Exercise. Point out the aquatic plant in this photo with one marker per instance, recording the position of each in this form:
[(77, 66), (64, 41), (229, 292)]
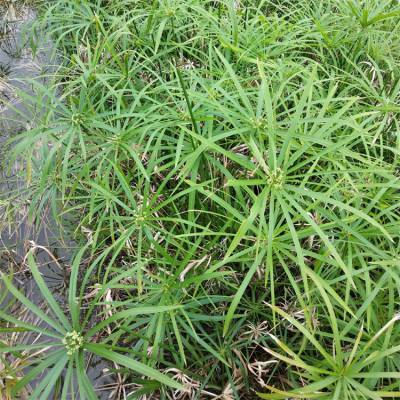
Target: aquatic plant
[(65, 340), (233, 168)]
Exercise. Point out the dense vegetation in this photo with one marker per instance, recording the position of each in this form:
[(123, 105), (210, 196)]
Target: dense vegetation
[(232, 168)]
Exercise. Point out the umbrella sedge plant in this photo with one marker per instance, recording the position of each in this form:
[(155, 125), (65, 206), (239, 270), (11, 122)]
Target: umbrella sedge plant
[(231, 170)]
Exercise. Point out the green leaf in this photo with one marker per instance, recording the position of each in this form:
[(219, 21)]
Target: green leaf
[(136, 366), (242, 288)]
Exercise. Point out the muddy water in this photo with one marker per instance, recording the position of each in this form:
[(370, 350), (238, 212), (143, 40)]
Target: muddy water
[(18, 65)]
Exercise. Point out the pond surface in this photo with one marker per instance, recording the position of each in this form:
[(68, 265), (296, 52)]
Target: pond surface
[(19, 65)]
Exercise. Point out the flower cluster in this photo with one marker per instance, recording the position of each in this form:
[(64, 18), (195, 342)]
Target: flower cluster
[(275, 178), (73, 341)]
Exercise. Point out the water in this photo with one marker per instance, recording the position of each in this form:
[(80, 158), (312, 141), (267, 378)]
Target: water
[(17, 232)]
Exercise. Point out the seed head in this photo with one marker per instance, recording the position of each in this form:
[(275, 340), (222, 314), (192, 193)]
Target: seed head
[(73, 341), (275, 178)]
